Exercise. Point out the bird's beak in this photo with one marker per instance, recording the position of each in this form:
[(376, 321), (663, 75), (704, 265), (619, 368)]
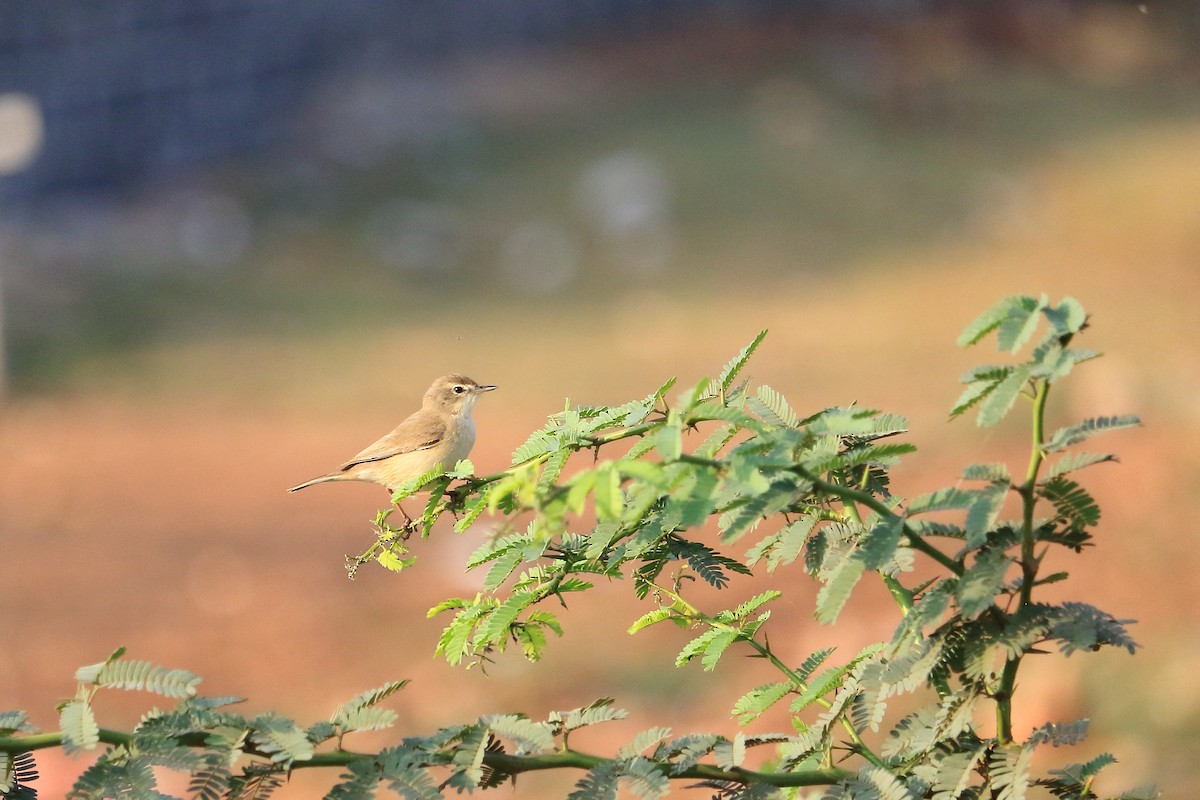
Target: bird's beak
[(482, 389)]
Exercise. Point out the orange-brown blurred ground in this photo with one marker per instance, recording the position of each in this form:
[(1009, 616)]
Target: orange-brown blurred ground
[(148, 509)]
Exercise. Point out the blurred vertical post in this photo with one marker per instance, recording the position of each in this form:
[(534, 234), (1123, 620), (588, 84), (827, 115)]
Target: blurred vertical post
[(21, 133)]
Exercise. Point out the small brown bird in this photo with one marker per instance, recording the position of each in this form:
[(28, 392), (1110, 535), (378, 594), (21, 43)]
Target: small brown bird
[(439, 435)]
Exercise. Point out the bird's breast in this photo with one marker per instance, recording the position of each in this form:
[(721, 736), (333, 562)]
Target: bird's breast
[(462, 440)]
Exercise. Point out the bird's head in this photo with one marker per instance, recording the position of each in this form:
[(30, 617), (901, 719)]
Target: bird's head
[(454, 393)]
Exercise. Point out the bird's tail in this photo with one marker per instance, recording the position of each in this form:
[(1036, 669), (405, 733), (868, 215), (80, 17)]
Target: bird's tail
[(332, 477)]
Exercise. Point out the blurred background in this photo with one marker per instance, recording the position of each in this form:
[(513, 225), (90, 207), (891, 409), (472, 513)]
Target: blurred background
[(239, 239)]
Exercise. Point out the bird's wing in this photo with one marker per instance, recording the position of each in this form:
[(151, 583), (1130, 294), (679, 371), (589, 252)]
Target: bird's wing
[(418, 432)]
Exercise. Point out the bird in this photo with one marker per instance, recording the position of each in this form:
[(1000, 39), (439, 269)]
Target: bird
[(439, 435)]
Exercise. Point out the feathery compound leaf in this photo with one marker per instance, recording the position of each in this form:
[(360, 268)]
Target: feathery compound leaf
[(281, 739), (650, 618), (539, 443), (530, 737), (1072, 502), (495, 628), (405, 776), (14, 722), (812, 662), (358, 714), (643, 740), (1080, 626), (752, 704), (140, 675), (1080, 776), (748, 607), (989, 320), (1019, 323), (211, 782), (983, 581), (837, 589), (645, 779), (995, 473), (886, 786), (1067, 317), (78, 725), (1074, 434), (783, 546), (600, 783), (980, 384), (942, 500), (1060, 734), (956, 772), (1071, 462), (771, 407), (731, 370), (707, 563), (1008, 770), (1001, 399), (592, 714), (701, 644), (880, 543)]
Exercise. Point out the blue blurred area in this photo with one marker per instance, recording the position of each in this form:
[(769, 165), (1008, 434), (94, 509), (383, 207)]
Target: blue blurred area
[(136, 89), (187, 163)]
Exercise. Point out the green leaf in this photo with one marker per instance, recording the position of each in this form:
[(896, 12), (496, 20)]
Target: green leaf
[(989, 320), (14, 722), (539, 443), (784, 546), (956, 771), (352, 715), (1080, 626), (980, 384), (829, 680), (731, 370), (281, 739), (650, 618), (752, 704), (644, 779), (996, 473), (78, 725), (668, 440), (1070, 462), (698, 645), (1060, 734), (707, 563), (1008, 769), (530, 737), (1001, 399), (771, 407), (600, 783), (982, 513), (884, 784), (1074, 434), (879, 545), (983, 581), (593, 713), (942, 500), (1072, 502), (1019, 323), (495, 628), (1068, 317), (643, 740), (833, 595), (607, 493)]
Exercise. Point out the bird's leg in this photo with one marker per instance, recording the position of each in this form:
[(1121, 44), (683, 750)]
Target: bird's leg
[(409, 526)]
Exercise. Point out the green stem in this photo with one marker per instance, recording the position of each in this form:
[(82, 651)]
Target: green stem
[(794, 678), (846, 494), (1029, 559), (505, 762)]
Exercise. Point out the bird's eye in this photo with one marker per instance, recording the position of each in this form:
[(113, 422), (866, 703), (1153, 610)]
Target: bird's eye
[(459, 389)]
